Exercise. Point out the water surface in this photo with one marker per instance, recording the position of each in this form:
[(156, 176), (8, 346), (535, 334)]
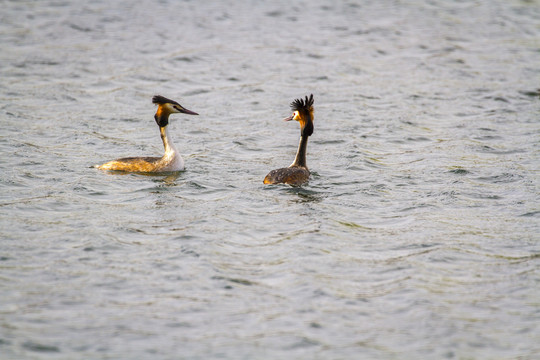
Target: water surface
[(417, 236)]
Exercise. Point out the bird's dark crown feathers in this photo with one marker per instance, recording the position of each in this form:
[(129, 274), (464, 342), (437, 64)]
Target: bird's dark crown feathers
[(160, 100), (302, 104)]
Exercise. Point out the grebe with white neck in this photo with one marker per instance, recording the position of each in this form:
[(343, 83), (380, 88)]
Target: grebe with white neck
[(171, 160)]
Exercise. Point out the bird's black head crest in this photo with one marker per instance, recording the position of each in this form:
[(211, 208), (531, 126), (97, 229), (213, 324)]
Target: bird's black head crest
[(301, 104), (160, 100)]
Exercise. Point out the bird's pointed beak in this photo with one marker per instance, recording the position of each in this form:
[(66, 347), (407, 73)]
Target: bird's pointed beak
[(186, 111), (289, 118)]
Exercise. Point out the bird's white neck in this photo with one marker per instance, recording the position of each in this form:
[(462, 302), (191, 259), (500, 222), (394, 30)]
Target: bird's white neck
[(167, 141), (172, 161)]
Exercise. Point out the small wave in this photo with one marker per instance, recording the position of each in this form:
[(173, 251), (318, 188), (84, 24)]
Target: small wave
[(187, 59), (235, 281), (531, 214), (42, 348), (502, 178), (459, 171), (533, 93)]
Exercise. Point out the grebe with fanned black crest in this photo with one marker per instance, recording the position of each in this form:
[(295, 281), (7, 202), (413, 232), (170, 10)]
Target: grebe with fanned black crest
[(297, 173), (171, 160)]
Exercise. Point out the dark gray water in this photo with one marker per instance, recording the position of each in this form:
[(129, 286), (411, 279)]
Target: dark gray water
[(417, 236)]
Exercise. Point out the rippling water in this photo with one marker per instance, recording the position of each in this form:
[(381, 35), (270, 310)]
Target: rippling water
[(417, 236)]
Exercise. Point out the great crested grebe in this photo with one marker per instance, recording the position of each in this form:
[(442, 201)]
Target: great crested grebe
[(171, 160), (297, 173)]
